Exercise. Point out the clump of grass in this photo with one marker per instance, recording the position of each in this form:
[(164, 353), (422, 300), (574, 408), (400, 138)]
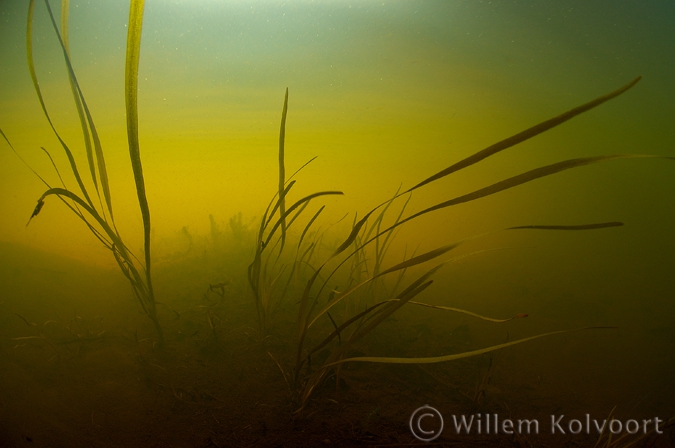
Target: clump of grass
[(95, 208), (268, 275), (355, 327)]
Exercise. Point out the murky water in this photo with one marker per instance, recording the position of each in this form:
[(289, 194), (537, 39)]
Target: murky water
[(384, 95)]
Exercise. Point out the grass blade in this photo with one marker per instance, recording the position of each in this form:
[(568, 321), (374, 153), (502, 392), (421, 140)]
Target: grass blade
[(23, 161), (437, 359), (519, 180), (404, 265), (419, 259), (282, 172), (601, 225), (309, 224), (297, 204), (470, 313), (65, 7), (131, 101), (82, 109), (38, 91), (525, 135)]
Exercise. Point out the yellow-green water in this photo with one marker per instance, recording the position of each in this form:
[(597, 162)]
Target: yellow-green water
[(385, 94)]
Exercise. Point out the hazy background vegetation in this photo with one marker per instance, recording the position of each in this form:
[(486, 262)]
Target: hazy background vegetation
[(383, 93)]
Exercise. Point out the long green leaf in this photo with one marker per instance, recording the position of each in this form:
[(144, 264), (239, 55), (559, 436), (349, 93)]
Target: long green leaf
[(414, 289), (516, 181), (419, 259), (437, 359), (344, 326), (131, 101), (353, 234), (65, 8), (518, 138), (309, 224), (62, 192), (282, 172), (22, 159), (277, 204), (469, 313), (37, 209), (600, 225), (38, 91), (297, 204), (404, 265), (83, 109), (525, 135)]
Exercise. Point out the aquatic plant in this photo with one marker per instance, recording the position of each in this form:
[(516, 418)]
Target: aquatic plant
[(97, 214), (52, 333), (303, 379), (265, 272)]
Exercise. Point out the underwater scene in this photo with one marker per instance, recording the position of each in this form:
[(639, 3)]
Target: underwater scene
[(337, 223)]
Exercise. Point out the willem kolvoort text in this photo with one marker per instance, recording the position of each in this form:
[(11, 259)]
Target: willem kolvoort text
[(556, 424)]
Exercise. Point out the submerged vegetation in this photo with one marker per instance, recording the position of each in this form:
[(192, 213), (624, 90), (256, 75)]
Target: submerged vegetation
[(361, 315), (97, 214), (339, 294), (264, 279)]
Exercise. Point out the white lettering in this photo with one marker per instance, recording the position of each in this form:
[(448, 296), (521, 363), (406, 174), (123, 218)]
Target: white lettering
[(529, 424), (556, 424), (611, 426), (507, 426), (645, 423), (600, 429), (462, 424), (635, 429), (574, 426)]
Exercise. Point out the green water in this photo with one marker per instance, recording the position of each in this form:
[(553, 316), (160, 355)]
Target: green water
[(384, 94)]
